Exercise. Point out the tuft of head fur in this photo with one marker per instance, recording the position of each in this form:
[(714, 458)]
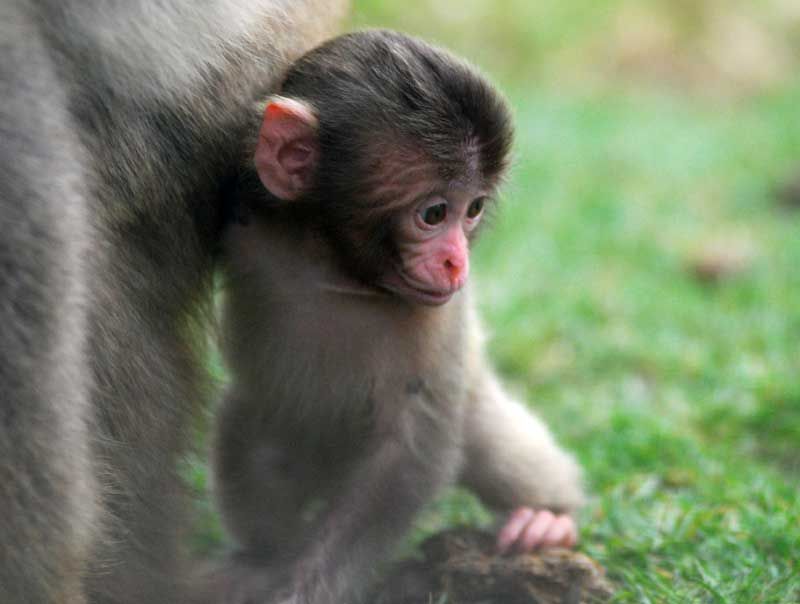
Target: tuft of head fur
[(390, 86)]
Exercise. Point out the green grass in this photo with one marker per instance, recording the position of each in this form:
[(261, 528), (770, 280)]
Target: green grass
[(681, 398)]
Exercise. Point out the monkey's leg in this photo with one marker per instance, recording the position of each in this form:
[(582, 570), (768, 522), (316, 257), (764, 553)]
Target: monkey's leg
[(47, 490), (381, 495), (402, 471), (145, 352), (514, 463), (262, 484)]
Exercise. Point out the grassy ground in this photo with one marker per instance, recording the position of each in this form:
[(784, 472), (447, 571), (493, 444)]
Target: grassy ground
[(680, 395)]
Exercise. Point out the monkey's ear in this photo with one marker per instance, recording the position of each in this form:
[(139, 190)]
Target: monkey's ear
[(287, 149)]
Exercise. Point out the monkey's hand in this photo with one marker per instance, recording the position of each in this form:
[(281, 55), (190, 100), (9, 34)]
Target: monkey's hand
[(527, 529)]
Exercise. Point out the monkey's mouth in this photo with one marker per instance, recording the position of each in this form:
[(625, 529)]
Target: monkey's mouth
[(401, 284)]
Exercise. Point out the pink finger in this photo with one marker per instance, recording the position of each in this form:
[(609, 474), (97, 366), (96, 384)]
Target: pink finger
[(513, 527), (532, 537), (571, 539), (558, 533)]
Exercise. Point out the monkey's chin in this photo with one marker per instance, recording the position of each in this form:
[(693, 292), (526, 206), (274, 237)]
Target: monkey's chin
[(399, 285)]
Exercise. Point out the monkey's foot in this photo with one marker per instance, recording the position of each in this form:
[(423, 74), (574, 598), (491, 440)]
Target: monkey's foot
[(461, 566)]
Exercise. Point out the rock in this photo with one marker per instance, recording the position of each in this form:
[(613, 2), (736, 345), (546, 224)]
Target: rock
[(722, 258), (461, 567), (789, 193)]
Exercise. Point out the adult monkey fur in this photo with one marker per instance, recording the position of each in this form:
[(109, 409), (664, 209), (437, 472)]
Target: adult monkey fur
[(359, 385), (119, 120)]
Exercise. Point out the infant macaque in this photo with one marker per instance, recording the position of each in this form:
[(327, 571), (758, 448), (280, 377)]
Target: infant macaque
[(360, 388)]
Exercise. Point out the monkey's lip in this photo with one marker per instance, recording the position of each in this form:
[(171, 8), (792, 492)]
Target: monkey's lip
[(402, 285)]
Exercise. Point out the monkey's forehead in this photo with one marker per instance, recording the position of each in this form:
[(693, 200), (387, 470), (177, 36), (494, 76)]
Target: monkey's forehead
[(419, 171)]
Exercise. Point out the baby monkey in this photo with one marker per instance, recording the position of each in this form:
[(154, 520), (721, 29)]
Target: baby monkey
[(360, 388)]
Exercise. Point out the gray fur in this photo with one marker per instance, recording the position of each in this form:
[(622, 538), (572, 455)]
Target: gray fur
[(119, 121)]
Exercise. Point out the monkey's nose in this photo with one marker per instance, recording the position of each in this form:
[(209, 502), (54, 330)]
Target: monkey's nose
[(456, 272)]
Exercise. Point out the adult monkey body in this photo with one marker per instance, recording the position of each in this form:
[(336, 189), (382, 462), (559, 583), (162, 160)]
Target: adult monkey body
[(118, 122), (360, 388)]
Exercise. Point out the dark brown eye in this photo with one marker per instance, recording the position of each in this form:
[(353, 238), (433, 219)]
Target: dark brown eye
[(475, 208), (434, 214)]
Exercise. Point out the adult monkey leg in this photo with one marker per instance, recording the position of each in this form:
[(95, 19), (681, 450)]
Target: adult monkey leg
[(136, 104), (46, 476)]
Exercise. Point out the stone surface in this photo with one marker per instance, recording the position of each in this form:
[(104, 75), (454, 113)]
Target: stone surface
[(722, 259), (460, 567)]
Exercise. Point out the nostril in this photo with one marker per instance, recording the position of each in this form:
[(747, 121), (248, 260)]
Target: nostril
[(452, 269)]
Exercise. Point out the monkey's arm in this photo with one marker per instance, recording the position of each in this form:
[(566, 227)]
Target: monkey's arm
[(513, 462), (512, 458)]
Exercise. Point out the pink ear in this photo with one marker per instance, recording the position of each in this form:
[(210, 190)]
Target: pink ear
[(286, 152)]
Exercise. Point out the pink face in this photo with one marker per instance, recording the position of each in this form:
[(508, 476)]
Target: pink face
[(433, 243)]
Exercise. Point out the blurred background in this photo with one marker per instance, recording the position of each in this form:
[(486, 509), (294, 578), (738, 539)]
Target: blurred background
[(642, 280)]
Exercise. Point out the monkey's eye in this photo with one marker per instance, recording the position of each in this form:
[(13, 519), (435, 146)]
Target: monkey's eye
[(434, 214), (475, 208)]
